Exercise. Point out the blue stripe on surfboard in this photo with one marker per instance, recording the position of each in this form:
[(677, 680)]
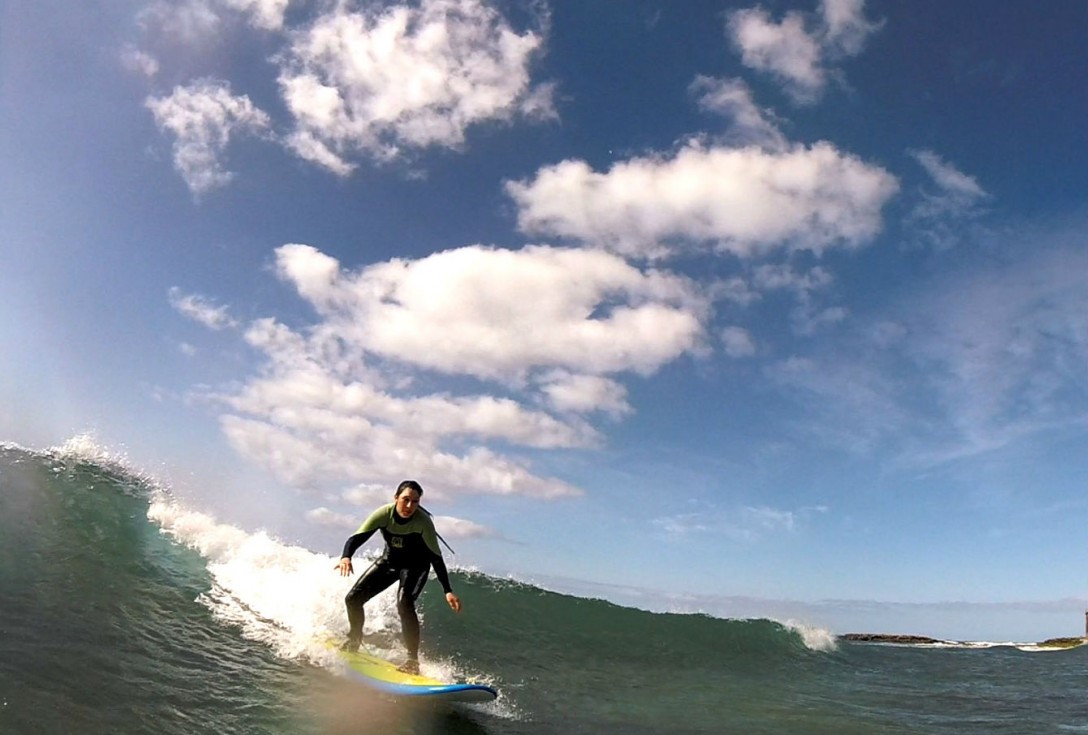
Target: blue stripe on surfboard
[(453, 692)]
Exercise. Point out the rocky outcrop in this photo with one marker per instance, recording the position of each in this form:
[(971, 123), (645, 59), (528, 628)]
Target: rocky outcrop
[(1062, 642), (913, 640), (921, 640)]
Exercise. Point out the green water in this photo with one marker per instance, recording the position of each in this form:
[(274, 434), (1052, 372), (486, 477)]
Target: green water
[(109, 625)]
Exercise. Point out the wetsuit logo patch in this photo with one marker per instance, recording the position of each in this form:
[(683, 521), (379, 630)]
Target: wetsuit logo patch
[(396, 542)]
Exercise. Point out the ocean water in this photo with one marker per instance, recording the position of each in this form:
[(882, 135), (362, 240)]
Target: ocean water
[(124, 612)]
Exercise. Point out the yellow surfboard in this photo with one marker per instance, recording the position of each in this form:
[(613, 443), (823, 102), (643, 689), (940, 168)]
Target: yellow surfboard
[(384, 676)]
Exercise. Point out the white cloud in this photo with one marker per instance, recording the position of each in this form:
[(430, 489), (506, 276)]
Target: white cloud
[(794, 51), (370, 495), (845, 28), (579, 393), (201, 310), (494, 313), (783, 49), (351, 400), (381, 80), (744, 201), (203, 117), (733, 99), (312, 447), (324, 517), (456, 528), (738, 342)]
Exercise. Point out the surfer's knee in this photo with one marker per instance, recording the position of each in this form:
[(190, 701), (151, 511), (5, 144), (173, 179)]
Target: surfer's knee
[(355, 598), (406, 607)]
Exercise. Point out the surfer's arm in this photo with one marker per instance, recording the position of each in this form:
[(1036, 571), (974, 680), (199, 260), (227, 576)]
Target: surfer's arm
[(376, 520), (350, 546), (354, 542), (439, 566)]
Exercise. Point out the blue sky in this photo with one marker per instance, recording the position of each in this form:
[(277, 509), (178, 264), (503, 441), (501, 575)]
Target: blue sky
[(725, 305)]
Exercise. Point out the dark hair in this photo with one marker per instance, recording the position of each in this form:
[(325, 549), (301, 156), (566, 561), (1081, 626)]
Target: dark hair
[(408, 485)]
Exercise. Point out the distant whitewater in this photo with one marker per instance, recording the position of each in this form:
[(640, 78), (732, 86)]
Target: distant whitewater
[(124, 612)]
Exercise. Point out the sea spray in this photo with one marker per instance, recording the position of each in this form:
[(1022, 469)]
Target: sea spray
[(816, 638), (286, 596)]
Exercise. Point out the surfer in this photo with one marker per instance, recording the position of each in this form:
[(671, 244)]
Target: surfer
[(411, 549)]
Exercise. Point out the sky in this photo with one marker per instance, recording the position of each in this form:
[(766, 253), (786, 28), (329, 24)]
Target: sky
[(751, 308)]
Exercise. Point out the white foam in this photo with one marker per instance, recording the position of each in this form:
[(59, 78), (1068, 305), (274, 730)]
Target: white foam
[(817, 639), (284, 596), (85, 448)]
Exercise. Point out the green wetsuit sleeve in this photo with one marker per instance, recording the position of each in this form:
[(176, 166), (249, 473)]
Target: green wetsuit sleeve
[(374, 521), (354, 542), (439, 566)]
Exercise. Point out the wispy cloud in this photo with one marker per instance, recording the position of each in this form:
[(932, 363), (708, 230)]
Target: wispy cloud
[(1005, 348), (139, 62), (187, 21), (197, 22), (745, 524), (947, 207), (970, 363), (266, 14), (809, 315), (732, 98), (738, 342), (201, 309), (852, 400)]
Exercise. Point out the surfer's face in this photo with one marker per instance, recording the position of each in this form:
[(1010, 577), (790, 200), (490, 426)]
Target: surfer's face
[(407, 503)]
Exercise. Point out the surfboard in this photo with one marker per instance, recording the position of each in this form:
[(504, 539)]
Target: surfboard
[(383, 676)]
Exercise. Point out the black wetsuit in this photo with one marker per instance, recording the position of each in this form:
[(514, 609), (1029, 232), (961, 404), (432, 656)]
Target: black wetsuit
[(411, 549)]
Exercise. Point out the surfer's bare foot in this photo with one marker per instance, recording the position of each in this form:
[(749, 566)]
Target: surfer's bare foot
[(351, 645), (411, 666)]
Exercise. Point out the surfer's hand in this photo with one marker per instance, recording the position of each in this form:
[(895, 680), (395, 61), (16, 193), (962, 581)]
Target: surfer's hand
[(345, 567), (453, 601)]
